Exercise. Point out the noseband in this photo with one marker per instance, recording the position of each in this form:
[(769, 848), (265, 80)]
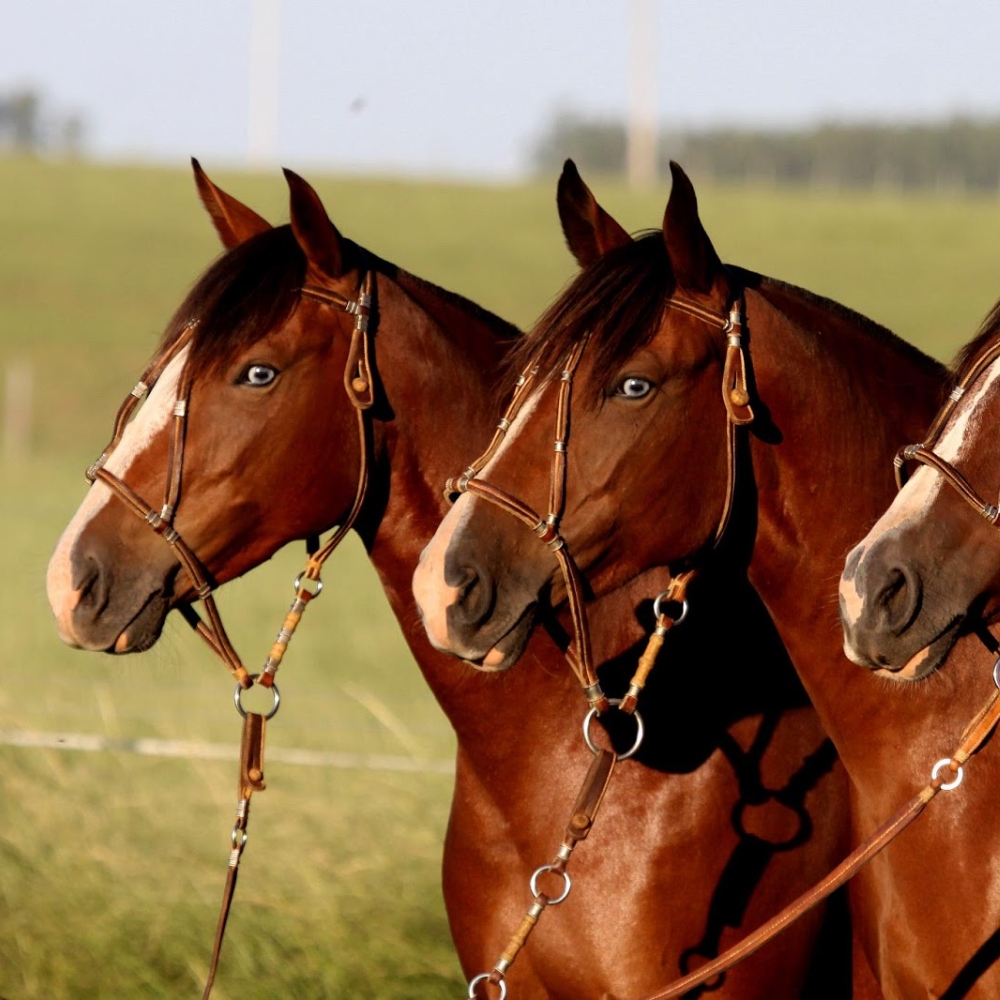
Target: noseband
[(736, 396), (924, 453)]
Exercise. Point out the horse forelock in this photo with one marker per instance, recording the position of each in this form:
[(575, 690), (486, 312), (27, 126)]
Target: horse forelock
[(617, 301), (248, 292), (986, 336)]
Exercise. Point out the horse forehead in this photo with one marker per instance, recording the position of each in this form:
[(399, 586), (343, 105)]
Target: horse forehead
[(152, 417), (953, 446), (516, 429)]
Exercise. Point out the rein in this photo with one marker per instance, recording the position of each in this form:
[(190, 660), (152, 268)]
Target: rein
[(359, 387), (736, 397)]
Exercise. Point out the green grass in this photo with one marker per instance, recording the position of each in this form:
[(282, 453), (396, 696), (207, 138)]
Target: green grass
[(111, 865)]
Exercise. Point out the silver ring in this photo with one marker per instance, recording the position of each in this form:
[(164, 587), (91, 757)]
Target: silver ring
[(948, 786), (996, 672), (473, 983), (298, 584), (658, 609), (639, 733), (534, 884), (238, 695)]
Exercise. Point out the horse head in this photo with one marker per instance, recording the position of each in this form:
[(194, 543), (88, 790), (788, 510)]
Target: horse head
[(929, 569), (245, 430), (645, 383)]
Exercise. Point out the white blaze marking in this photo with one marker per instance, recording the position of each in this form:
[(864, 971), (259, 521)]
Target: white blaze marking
[(926, 483), (152, 417), (430, 588)]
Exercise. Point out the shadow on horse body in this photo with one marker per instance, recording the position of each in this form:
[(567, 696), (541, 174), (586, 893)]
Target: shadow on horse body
[(272, 454), (774, 477)]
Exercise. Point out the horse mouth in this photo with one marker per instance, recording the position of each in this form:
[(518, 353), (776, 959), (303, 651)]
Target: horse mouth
[(507, 650), (926, 660), (144, 628)]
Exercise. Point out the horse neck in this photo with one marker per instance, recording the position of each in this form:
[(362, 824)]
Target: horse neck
[(438, 359), (844, 396)]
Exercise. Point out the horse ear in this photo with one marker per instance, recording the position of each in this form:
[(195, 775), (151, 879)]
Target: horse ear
[(233, 221), (316, 234), (590, 232), (695, 263)]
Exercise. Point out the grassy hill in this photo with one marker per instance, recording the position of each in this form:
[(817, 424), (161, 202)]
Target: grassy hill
[(110, 863)]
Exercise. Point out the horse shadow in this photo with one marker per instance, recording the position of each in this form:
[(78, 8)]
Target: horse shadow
[(707, 679)]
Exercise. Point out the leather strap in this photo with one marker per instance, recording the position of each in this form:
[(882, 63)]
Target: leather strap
[(973, 739)]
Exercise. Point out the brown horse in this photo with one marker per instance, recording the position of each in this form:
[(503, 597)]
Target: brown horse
[(776, 477), (737, 804), (929, 570)]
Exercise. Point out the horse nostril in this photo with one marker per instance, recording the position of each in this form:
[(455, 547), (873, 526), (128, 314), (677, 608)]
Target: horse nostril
[(899, 600), (475, 597), (92, 587)]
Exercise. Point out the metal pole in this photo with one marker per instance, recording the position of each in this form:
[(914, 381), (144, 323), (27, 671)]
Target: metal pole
[(265, 61), (641, 138), (17, 411)]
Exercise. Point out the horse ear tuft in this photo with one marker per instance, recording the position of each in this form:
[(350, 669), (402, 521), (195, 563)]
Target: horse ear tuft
[(590, 232), (695, 263), (233, 221), (316, 234)]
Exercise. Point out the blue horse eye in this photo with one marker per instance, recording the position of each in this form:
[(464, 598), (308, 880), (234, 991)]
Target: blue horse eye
[(260, 375), (634, 387)]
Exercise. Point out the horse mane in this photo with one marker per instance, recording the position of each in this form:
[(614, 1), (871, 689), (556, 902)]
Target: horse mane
[(618, 299), (986, 335), (253, 288)]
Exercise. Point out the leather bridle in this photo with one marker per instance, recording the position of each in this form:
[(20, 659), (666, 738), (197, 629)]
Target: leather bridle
[(946, 774), (735, 394), (360, 389), (924, 452)]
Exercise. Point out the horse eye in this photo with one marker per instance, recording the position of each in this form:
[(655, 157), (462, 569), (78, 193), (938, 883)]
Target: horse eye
[(259, 375), (634, 387)]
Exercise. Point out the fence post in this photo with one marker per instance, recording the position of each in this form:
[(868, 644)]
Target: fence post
[(17, 410)]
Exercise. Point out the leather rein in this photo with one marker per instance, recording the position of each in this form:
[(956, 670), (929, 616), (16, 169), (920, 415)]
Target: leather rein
[(946, 774), (360, 389)]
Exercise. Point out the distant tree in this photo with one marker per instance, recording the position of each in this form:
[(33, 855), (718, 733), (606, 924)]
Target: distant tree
[(26, 126), (958, 154), (597, 145)]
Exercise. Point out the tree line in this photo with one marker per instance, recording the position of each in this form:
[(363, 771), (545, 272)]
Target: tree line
[(29, 125), (959, 154)]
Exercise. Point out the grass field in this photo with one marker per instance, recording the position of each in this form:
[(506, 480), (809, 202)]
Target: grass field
[(110, 863)]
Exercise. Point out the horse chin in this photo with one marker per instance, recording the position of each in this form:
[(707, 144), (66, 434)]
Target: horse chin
[(926, 660), (140, 633), (508, 649)]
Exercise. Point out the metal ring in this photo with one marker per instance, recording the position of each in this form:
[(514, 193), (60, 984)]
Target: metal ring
[(996, 672), (639, 733), (298, 584), (238, 695), (534, 884), (948, 786), (473, 983), (658, 608)]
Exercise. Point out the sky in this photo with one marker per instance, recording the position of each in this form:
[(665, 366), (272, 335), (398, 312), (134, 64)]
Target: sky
[(440, 87)]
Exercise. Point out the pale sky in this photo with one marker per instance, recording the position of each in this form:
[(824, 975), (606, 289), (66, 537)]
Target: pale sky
[(461, 89)]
